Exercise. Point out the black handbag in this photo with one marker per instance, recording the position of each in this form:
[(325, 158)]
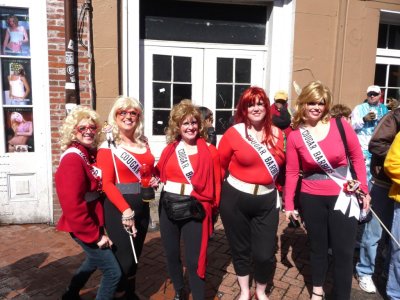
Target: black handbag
[(182, 207), (364, 218)]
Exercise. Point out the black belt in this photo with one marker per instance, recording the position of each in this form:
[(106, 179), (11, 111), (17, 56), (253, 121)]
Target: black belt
[(321, 175)]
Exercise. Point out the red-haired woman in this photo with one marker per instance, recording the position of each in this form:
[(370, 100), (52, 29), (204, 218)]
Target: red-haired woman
[(253, 152)]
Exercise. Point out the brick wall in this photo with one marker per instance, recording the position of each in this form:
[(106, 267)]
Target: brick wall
[(56, 44)]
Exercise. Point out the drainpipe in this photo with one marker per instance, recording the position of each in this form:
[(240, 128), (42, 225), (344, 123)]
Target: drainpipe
[(71, 93)]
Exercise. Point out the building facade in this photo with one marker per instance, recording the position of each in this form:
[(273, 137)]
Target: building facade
[(163, 51)]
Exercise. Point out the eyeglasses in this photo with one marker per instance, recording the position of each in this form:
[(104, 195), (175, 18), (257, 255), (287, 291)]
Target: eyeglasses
[(321, 103), (82, 129), (372, 94), (125, 113), (187, 124)]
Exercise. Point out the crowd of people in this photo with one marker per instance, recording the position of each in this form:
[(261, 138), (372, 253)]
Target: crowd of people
[(271, 156)]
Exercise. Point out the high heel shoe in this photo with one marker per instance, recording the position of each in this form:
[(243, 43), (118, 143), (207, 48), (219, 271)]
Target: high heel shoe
[(319, 295)]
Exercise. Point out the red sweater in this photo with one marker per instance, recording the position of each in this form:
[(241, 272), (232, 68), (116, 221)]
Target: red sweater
[(243, 161), (73, 179), (105, 163), (333, 148)]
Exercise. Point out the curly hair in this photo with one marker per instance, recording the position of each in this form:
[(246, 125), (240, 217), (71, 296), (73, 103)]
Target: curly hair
[(124, 103), (312, 92), (340, 110), (178, 114), (67, 130)]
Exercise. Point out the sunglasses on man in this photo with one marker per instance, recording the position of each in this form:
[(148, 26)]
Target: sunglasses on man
[(372, 94)]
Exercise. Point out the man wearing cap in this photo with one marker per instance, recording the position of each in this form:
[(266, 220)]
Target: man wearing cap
[(364, 120), (280, 114)]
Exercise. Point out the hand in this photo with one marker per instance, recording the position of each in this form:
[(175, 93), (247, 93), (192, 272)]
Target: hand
[(128, 221), (154, 182), (371, 116), (104, 242), (366, 202), (289, 213)]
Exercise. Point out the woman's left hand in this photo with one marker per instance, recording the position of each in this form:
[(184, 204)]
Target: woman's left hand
[(366, 202)]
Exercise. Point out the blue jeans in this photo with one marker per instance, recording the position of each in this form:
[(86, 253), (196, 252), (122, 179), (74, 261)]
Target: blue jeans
[(383, 207), (97, 258), (393, 284)]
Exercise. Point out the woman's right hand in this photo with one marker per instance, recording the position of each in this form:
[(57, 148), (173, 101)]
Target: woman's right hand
[(289, 213), (104, 242), (128, 221)]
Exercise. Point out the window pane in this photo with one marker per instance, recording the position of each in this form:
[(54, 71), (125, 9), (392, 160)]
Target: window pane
[(161, 95), (160, 121), (239, 89), (224, 96), (162, 67), (382, 35), (380, 75), (394, 37), (225, 70), (182, 69), (394, 76), (243, 71), (393, 93), (222, 121), (182, 91)]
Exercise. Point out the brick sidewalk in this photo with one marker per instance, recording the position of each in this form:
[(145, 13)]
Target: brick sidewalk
[(37, 262)]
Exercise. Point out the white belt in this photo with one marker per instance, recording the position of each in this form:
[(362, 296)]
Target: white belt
[(249, 188), (178, 188)]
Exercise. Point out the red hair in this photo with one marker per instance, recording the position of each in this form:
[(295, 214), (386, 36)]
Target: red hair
[(250, 97)]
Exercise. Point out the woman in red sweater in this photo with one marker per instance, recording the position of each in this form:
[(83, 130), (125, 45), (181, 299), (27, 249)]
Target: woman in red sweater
[(253, 152), (188, 166), (78, 188), (125, 212), (316, 147)]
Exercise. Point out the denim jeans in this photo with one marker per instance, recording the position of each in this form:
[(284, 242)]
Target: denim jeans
[(383, 207), (97, 258), (393, 284)]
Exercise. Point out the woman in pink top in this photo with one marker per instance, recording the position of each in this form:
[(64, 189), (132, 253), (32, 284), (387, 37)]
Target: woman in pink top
[(315, 144)]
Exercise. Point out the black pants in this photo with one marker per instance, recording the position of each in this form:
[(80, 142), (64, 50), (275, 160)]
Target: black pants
[(250, 224), (191, 232), (326, 226), (122, 246)]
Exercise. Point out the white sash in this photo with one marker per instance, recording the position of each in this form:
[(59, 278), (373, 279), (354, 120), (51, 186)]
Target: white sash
[(128, 160), (184, 161), (266, 156), (344, 200), (96, 172)]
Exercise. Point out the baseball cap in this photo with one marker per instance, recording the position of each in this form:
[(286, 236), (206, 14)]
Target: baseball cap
[(281, 95), (374, 88)]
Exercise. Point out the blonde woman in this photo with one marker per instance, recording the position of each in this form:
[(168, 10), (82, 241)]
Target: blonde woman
[(78, 185), (125, 212), (316, 143), (23, 130), (188, 167), (15, 36)]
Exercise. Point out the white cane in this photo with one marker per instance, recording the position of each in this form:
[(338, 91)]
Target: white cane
[(383, 225), (133, 248)]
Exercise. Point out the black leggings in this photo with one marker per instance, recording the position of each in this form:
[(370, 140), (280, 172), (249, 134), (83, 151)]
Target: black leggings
[(121, 243), (326, 226), (191, 232), (250, 224)]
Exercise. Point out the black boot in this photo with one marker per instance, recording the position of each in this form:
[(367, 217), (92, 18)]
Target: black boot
[(71, 295)]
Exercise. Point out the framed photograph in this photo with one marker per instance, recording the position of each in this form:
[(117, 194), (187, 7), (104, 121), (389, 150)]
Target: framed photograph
[(16, 78), (19, 129), (14, 28)]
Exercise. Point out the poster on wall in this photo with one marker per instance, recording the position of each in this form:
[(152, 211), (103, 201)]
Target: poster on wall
[(16, 78), (14, 28), (18, 124)]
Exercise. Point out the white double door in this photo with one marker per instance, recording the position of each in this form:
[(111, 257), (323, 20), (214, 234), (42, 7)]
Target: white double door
[(211, 77)]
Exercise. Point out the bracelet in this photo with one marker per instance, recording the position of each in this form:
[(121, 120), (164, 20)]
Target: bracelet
[(128, 218)]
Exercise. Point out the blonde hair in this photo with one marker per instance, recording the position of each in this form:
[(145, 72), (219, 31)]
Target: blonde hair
[(124, 103), (14, 122), (67, 130), (179, 112), (312, 92)]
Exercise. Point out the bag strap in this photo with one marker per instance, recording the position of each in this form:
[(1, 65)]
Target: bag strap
[(346, 147)]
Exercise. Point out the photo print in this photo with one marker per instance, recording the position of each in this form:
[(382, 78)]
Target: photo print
[(16, 78), (18, 124), (14, 28)]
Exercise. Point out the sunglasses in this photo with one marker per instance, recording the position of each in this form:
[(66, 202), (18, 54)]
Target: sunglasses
[(321, 103), (372, 94), (82, 129), (125, 113)]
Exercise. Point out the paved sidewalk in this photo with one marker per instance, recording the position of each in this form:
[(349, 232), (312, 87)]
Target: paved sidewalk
[(36, 262)]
